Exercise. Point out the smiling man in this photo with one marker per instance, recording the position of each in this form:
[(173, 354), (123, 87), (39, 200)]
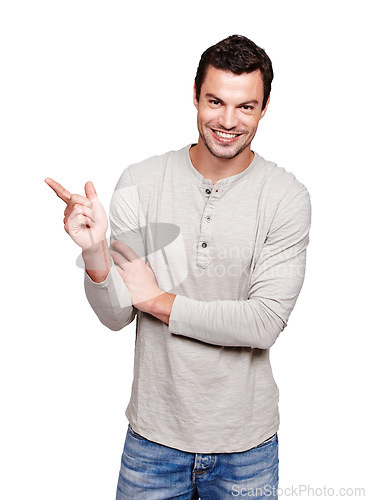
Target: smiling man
[(208, 248)]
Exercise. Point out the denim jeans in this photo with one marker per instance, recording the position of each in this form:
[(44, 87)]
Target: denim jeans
[(151, 471)]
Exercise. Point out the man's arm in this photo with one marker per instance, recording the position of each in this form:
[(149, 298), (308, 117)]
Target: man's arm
[(97, 261), (275, 285), (86, 223), (111, 299), (161, 307)]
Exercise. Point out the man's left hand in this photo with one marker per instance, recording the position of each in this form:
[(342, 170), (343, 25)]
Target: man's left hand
[(138, 276)]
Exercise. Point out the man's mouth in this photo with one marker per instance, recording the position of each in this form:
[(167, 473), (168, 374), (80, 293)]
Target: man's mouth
[(225, 136)]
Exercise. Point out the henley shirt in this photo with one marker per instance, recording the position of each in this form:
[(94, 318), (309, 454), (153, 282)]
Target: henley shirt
[(233, 253)]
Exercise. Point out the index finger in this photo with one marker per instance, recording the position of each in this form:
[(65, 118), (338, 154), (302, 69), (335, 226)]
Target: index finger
[(61, 192)]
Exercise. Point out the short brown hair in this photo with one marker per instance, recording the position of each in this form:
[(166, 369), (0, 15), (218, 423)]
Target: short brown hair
[(237, 54)]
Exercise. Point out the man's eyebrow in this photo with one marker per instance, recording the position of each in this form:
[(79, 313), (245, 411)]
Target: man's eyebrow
[(252, 101), (211, 96)]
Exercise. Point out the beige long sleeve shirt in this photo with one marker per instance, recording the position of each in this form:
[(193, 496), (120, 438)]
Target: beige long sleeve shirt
[(234, 254)]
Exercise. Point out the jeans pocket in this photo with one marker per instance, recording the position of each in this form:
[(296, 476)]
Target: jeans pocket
[(268, 441), (134, 434)]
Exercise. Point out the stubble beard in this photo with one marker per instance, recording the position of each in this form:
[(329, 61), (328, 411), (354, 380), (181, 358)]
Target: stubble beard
[(230, 153)]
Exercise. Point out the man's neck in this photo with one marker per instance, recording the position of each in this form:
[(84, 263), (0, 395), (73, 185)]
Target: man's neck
[(214, 168)]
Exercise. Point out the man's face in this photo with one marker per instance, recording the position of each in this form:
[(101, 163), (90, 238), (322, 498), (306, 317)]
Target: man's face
[(229, 110)]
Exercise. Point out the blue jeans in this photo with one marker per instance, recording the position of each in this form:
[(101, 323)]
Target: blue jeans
[(151, 471)]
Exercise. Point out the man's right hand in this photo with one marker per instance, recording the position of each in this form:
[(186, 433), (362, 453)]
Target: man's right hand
[(85, 218)]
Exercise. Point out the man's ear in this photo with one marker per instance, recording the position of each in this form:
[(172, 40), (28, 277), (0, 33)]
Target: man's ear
[(263, 112), (195, 101)]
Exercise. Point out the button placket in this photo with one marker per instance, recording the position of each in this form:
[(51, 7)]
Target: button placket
[(206, 229)]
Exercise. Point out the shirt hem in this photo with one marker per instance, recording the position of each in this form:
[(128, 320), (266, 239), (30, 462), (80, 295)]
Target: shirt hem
[(180, 445)]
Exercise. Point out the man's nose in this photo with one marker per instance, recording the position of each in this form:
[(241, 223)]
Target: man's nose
[(228, 118)]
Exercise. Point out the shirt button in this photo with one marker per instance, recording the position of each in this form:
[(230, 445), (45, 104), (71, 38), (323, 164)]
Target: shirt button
[(208, 191), (204, 245), (208, 219)]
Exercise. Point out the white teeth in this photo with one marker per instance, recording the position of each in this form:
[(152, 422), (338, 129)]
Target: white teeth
[(225, 136)]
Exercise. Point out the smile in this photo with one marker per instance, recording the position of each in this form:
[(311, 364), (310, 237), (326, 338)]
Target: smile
[(225, 136)]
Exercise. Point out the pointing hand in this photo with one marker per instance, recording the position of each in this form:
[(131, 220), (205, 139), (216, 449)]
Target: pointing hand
[(85, 219)]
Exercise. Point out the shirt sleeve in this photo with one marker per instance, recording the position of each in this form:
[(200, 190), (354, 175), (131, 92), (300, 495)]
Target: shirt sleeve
[(111, 300), (275, 284)]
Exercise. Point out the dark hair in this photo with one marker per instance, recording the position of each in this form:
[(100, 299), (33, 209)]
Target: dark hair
[(237, 54)]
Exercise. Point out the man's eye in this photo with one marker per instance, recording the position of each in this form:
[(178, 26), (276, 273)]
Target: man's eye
[(247, 107), (214, 102)]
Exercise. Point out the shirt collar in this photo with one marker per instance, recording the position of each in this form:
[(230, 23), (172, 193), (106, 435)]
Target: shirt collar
[(222, 182)]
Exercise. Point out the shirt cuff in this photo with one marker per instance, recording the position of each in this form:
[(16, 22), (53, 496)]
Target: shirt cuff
[(178, 315), (101, 284)]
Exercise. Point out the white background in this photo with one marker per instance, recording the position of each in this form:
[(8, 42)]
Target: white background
[(89, 87)]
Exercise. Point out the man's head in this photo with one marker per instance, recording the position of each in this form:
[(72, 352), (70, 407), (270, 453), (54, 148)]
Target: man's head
[(231, 94), (238, 55)]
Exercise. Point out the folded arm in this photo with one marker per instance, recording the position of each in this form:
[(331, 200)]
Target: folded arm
[(275, 284)]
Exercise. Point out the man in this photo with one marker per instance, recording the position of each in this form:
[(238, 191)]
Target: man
[(208, 248)]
